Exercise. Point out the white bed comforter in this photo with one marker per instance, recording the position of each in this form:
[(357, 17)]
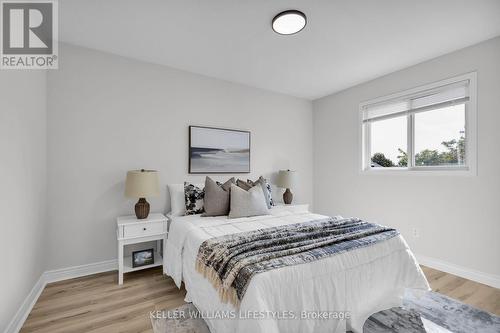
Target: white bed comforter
[(361, 281)]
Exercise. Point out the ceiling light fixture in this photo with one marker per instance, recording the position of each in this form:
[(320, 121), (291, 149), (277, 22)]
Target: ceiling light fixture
[(289, 22)]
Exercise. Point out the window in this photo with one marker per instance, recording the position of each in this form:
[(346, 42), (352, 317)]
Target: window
[(430, 128)]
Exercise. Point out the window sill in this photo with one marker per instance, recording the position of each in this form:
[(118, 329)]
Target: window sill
[(421, 171)]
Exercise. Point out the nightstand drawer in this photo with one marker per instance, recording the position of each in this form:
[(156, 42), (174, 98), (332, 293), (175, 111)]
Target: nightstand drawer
[(143, 229)]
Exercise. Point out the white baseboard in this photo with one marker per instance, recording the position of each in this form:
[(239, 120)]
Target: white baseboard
[(54, 276), (467, 273), (24, 310), (79, 271)]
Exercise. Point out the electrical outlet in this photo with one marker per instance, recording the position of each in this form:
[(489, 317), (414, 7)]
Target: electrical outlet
[(416, 234)]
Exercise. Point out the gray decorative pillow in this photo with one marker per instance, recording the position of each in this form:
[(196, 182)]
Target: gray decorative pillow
[(266, 187), (247, 203), (244, 185), (217, 197), (193, 196)]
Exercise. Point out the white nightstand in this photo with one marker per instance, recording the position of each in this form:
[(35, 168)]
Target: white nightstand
[(294, 207), (130, 230)]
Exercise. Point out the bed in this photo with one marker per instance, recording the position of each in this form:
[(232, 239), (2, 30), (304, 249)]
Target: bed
[(333, 294)]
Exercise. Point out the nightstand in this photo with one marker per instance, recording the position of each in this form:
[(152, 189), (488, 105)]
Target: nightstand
[(294, 207), (130, 230)]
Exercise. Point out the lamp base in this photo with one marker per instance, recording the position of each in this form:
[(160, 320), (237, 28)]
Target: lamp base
[(287, 197), (142, 209)]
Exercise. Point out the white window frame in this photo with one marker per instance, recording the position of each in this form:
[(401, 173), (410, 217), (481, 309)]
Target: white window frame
[(470, 169)]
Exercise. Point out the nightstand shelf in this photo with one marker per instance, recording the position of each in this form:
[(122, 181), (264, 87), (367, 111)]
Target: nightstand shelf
[(130, 230), (127, 263)]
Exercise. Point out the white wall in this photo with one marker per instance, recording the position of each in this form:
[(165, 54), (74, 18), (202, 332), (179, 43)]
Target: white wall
[(22, 186), (108, 114), (458, 217)]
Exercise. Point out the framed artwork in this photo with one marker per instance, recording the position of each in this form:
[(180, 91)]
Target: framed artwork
[(218, 150), (143, 258)]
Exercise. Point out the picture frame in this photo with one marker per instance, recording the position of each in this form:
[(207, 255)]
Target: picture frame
[(143, 258), (214, 150)]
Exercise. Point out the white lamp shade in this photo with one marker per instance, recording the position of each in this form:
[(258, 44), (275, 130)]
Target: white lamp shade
[(142, 184), (286, 178)]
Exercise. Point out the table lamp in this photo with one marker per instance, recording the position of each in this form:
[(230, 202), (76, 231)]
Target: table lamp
[(286, 179), (141, 184)]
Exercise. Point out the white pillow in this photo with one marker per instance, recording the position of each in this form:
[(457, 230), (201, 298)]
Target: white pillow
[(177, 199), (247, 203)]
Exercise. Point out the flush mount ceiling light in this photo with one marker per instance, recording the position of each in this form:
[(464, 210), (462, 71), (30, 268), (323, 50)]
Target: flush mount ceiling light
[(289, 22)]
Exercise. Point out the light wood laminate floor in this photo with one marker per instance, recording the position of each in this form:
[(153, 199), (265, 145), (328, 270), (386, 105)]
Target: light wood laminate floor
[(97, 303), (469, 292)]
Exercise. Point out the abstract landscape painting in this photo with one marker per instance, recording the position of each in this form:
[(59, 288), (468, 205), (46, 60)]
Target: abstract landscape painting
[(217, 150)]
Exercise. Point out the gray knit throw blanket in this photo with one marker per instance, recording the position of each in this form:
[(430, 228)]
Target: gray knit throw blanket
[(229, 262)]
